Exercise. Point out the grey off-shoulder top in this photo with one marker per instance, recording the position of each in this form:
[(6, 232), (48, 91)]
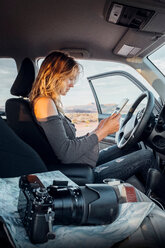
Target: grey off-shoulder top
[(61, 134)]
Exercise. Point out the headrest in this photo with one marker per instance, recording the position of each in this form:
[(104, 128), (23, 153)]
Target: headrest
[(24, 80)]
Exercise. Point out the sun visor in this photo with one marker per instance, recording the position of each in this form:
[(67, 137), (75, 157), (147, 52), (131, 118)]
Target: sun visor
[(134, 43)]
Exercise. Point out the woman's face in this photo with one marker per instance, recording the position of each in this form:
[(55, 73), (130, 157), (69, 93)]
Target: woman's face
[(68, 83)]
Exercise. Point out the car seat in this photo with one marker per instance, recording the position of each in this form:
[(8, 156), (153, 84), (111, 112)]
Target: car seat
[(20, 119), (17, 158)]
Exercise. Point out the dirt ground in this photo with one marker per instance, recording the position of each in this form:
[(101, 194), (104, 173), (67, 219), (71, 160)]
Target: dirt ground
[(84, 128), (84, 122)]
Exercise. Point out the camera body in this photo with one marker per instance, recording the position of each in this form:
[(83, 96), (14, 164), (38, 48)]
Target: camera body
[(40, 208), (34, 207)]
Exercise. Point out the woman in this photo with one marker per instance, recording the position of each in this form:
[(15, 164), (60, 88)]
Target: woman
[(56, 76)]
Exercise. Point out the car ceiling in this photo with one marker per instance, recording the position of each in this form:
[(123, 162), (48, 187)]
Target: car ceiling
[(34, 28)]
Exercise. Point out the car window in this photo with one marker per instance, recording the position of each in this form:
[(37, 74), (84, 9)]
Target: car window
[(110, 91), (158, 58), (8, 72)]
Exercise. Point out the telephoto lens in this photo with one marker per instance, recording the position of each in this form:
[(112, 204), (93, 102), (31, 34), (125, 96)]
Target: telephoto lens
[(90, 204)]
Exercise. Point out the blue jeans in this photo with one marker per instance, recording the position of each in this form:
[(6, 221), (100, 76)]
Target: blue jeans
[(121, 164)]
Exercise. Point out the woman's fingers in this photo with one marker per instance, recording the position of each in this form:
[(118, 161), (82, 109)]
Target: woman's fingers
[(115, 115)]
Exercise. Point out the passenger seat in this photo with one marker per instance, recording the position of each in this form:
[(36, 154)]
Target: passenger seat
[(17, 158), (20, 119)]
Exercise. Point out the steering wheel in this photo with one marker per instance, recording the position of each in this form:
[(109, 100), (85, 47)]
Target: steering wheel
[(133, 125)]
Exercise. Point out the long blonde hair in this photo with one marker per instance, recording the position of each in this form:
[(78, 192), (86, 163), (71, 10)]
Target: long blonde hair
[(56, 67)]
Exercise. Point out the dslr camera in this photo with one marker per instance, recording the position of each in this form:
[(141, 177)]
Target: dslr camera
[(42, 207)]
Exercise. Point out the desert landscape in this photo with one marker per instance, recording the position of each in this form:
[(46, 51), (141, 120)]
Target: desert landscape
[(84, 117), (84, 122)]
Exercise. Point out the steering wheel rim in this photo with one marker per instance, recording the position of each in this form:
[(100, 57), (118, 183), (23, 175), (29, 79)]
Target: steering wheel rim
[(133, 126)]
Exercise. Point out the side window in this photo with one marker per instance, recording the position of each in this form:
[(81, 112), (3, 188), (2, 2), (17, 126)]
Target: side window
[(8, 72), (110, 90)]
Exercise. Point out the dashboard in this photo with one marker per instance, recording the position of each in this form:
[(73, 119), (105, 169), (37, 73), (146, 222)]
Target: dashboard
[(156, 139)]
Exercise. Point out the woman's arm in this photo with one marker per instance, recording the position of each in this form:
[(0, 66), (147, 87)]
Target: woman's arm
[(44, 107), (68, 149)]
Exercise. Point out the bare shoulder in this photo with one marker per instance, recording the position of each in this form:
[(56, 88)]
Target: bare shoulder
[(44, 107)]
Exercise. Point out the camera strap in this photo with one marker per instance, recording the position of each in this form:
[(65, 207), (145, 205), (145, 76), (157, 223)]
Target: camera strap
[(50, 218)]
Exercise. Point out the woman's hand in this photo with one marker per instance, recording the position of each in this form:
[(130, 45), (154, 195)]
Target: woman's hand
[(108, 126)]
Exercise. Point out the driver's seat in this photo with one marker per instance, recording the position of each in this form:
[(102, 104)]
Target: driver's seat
[(20, 119)]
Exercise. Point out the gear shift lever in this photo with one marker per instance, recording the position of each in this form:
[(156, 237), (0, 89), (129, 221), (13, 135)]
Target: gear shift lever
[(155, 183)]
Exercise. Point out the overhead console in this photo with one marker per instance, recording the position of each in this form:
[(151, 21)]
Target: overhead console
[(128, 16), (145, 21)]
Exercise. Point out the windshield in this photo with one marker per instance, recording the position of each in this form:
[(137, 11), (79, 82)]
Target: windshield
[(158, 59)]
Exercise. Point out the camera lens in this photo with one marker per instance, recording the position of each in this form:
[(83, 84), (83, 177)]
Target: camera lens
[(90, 204), (68, 205)]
